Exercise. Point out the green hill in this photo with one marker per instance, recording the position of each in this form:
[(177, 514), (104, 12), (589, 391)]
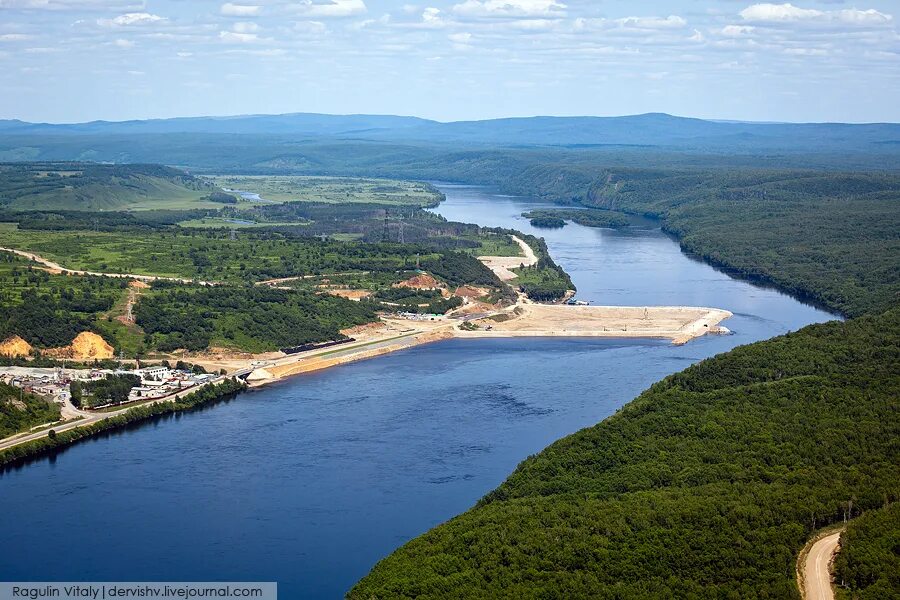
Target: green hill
[(99, 187), (705, 486)]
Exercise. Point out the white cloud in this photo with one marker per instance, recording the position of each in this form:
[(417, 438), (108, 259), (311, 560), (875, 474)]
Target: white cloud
[(334, 8), (737, 30), (788, 13), (120, 43), (72, 4), (632, 26), (432, 15), (240, 10), (460, 38), (184, 54), (13, 37), (136, 18), (670, 22), (310, 27), (806, 51), (778, 12), (245, 27), (237, 37), (510, 8)]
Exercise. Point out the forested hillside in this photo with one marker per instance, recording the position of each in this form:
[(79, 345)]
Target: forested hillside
[(705, 486), (868, 564), (830, 237)]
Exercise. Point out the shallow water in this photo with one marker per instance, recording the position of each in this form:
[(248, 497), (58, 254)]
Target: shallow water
[(313, 480)]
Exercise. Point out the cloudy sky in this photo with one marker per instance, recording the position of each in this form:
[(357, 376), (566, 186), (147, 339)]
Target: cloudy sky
[(813, 60)]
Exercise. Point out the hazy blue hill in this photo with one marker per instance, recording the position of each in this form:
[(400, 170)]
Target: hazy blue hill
[(295, 124), (653, 129)]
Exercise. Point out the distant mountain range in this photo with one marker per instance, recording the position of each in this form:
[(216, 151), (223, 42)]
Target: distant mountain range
[(654, 129)]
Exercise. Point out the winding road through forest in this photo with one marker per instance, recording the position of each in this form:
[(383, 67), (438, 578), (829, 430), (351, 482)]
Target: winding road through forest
[(817, 568)]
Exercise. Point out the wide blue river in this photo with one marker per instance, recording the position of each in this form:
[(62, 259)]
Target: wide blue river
[(311, 481)]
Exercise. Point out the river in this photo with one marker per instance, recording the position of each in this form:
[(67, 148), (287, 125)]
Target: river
[(311, 481)]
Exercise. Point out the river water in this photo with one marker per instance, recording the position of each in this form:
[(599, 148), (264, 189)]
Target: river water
[(313, 480)]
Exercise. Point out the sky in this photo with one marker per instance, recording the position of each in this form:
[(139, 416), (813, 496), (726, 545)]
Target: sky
[(80, 60)]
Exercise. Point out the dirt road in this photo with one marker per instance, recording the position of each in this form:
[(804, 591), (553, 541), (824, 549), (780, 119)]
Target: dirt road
[(57, 267), (502, 265), (816, 568)]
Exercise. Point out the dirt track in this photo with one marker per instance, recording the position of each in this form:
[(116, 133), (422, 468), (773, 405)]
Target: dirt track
[(502, 265), (817, 568), (57, 267)]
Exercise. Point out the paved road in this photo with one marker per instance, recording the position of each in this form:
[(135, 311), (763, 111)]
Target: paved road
[(93, 417), (816, 569)]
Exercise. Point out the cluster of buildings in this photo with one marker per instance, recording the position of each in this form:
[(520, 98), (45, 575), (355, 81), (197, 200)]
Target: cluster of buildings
[(156, 381), (161, 381)]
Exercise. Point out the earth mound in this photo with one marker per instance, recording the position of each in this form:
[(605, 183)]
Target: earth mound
[(14, 346), (423, 281), (85, 345)]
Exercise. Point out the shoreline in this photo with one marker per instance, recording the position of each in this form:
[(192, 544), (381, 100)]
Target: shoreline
[(650, 322)]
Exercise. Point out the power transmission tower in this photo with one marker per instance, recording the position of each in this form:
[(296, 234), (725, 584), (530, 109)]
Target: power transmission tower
[(400, 232), (384, 231)]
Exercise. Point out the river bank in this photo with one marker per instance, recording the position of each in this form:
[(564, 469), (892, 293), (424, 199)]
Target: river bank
[(81, 429), (310, 481), (679, 324)]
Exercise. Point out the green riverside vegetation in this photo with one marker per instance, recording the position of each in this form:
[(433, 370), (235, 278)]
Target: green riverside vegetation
[(868, 564), (55, 440), (20, 411), (828, 237), (705, 486)]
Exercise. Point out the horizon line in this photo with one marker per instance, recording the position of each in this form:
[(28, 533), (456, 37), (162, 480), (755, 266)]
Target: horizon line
[(448, 122)]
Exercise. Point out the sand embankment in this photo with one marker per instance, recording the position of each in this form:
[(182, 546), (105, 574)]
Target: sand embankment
[(340, 356), (678, 323), (86, 345)]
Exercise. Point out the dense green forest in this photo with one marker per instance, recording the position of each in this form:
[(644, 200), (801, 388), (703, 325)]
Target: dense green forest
[(20, 411), (50, 310), (868, 564), (705, 486), (255, 319)]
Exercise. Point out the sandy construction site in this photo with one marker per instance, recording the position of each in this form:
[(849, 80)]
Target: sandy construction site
[(678, 323)]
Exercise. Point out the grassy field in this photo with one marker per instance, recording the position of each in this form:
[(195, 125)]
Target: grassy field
[(93, 187), (208, 255), (333, 189)]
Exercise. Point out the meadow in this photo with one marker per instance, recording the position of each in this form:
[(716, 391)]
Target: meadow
[(332, 190)]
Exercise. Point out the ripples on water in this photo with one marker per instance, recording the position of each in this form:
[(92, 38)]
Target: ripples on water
[(309, 482)]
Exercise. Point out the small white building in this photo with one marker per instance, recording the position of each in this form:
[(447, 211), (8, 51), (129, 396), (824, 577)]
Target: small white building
[(158, 373)]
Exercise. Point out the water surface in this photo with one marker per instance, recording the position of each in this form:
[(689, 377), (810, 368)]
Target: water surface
[(313, 480)]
